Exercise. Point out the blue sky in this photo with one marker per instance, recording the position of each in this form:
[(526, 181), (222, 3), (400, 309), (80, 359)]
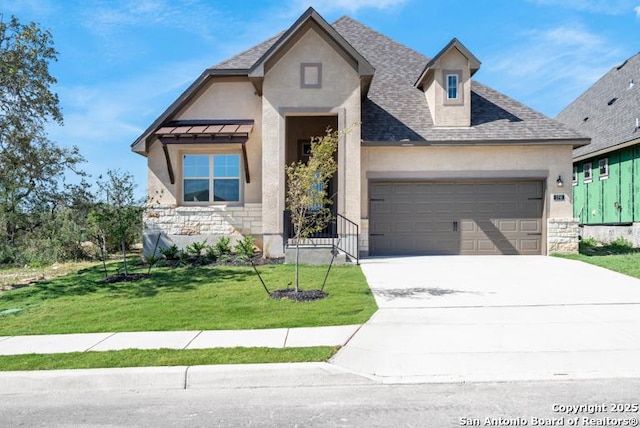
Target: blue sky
[(122, 62)]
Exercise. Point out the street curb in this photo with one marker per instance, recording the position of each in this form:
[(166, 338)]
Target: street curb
[(180, 377), (133, 378)]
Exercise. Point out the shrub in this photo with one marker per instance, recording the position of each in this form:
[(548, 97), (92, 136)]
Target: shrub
[(244, 248), (210, 254), (223, 246), (196, 248), (170, 253), (620, 245), (589, 242)]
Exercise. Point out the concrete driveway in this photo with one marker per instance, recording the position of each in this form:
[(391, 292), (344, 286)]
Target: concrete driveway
[(457, 318)]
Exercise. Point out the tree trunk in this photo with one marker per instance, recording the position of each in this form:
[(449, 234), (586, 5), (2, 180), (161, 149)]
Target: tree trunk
[(124, 258), (103, 251), (297, 264)]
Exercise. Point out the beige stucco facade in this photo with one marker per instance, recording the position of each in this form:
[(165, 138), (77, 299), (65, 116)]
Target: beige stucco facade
[(222, 98), (307, 82), (283, 97), (225, 98)]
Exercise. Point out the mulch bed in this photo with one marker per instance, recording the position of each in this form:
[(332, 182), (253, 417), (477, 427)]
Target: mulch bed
[(257, 260), (300, 296)]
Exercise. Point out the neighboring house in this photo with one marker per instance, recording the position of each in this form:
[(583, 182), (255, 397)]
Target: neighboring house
[(606, 173), (436, 164)]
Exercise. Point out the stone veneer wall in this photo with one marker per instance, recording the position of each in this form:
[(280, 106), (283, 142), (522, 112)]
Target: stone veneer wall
[(364, 237), (562, 235), (184, 225)]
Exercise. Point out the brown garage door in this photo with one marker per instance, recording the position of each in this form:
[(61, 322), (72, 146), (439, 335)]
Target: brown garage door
[(455, 218)]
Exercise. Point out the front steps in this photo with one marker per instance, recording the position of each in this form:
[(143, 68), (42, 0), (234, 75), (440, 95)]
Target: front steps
[(315, 254)]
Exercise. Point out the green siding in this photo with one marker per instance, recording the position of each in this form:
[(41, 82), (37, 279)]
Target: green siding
[(626, 185), (610, 189), (612, 199), (594, 195), (580, 197), (636, 183)]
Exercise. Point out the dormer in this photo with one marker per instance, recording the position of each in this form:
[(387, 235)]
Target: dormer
[(446, 82)]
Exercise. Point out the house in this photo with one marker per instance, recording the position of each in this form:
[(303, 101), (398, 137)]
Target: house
[(606, 173), (437, 163)]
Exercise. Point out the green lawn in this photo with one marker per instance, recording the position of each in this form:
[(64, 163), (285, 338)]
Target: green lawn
[(163, 357), (204, 298), (628, 264)]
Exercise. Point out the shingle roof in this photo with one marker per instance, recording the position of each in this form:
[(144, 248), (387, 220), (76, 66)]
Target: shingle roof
[(244, 60), (395, 109), (594, 114)]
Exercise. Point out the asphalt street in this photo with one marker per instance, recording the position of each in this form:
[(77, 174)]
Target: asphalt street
[(543, 403)]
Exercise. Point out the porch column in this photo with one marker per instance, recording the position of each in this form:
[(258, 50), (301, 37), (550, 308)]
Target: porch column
[(273, 160)]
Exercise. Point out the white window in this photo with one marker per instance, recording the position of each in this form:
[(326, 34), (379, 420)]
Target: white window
[(603, 168), (574, 175), (586, 168), (452, 86), (209, 178)]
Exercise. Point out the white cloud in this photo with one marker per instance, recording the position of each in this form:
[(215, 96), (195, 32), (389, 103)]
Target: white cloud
[(350, 6), (606, 7), (552, 67), (637, 9)]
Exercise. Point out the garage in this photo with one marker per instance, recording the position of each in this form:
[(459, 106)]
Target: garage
[(468, 217)]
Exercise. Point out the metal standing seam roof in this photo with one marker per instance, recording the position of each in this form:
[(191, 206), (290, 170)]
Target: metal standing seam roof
[(396, 110), (608, 110), (233, 129)]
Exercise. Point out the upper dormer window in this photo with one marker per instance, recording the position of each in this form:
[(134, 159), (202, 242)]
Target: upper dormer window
[(452, 86), (452, 80)]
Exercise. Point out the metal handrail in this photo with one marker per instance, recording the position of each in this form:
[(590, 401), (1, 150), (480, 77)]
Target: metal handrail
[(342, 233), (348, 237)]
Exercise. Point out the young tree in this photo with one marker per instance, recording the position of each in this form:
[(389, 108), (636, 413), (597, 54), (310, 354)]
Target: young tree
[(117, 217), (32, 173), (307, 199)]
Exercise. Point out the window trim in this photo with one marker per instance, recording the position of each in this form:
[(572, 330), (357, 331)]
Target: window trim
[(303, 75), (451, 87), (587, 166), (574, 175), (603, 162), (459, 100), (210, 155)]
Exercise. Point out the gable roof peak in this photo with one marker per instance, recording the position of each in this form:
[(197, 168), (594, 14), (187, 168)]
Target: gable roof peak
[(474, 63), (364, 68)]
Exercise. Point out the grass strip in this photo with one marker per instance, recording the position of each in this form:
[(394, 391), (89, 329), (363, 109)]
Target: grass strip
[(628, 264), (164, 357)]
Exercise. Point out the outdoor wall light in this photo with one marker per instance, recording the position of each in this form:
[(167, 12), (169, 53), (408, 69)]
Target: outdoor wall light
[(559, 181)]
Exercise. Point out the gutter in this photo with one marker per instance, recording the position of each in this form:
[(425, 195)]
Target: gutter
[(607, 150)]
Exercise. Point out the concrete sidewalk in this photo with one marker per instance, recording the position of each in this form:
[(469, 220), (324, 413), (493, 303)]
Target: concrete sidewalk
[(269, 338)]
